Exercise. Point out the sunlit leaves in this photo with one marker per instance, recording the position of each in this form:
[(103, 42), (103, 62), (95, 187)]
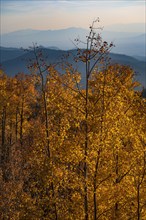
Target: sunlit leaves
[(65, 144)]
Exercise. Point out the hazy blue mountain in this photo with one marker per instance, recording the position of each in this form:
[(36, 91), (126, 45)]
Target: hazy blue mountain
[(132, 46), (129, 43), (13, 64), (18, 64), (141, 58), (59, 38), (10, 53), (131, 27)]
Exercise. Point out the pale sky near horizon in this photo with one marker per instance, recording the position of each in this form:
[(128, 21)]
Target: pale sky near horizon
[(58, 14)]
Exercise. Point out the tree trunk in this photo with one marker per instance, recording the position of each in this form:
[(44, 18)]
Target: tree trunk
[(3, 129), (116, 211), (16, 125), (21, 123), (86, 148), (95, 186), (138, 202)]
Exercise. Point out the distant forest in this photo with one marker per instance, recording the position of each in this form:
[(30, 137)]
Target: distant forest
[(73, 151)]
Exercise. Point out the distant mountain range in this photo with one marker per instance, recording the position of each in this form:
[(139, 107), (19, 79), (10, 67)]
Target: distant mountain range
[(129, 43), (14, 60), (128, 27)]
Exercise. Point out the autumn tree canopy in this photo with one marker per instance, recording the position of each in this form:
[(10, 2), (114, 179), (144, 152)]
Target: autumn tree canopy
[(71, 151)]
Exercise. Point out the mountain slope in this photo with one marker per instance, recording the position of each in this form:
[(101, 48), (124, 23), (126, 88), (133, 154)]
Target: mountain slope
[(129, 43), (10, 53), (15, 64)]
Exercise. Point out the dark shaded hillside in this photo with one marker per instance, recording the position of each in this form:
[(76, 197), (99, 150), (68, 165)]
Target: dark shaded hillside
[(16, 60), (137, 65), (10, 53), (141, 58), (18, 64), (144, 93)]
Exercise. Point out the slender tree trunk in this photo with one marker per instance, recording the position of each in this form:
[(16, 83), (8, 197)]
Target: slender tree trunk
[(46, 124), (3, 132), (10, 138), (86, 148), (94, 197), (3, 127), (46, 129), (48, 150), (140, 181), (116, 210), (4, 147), (95, 186), (98, 155), (85, 186), (138, 202), (16, 125), (21, 123), (117, 181)]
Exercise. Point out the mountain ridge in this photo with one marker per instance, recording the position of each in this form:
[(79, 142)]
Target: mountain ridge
[(17, 61), (126, 42)]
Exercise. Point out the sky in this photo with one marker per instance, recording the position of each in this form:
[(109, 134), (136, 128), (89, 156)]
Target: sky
[(59, 14)]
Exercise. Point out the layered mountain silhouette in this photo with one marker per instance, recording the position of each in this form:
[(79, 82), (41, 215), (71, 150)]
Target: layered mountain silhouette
[(129, 43), (14, 60)]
